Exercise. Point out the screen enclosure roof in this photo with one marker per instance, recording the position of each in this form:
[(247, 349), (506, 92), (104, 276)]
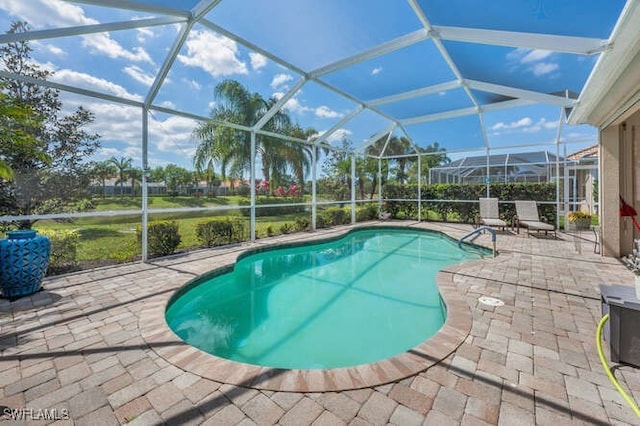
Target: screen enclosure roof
[(467, 74)]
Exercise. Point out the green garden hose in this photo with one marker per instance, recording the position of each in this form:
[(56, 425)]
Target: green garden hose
[(613, 379)]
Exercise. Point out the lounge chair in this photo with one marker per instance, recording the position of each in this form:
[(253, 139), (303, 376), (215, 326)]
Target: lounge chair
[(527, 216), (489, 214)]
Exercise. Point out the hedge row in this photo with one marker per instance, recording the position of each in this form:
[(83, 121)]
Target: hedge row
[(276, 210), (466, 211), (164, 237)]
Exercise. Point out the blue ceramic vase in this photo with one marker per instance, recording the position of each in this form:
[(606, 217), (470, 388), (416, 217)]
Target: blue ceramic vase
[(24, 257)]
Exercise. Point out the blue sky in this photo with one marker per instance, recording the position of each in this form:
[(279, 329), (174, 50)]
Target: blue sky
[(310, 35)]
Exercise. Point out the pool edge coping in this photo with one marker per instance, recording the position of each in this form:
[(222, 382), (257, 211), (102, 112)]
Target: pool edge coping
[(162, 340)]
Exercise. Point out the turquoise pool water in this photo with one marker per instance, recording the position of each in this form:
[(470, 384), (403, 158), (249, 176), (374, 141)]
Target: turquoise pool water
[(362, 298)]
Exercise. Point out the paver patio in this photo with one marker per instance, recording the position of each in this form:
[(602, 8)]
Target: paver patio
[(78, 346)]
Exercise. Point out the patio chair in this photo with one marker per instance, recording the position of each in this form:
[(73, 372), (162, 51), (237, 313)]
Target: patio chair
[(527, 216), (489, 214)]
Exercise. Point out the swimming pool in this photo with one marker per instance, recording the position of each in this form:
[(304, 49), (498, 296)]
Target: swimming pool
[(364, 297)]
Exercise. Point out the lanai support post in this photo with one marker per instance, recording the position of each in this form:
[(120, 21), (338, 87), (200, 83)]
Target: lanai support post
[(252, 183), (379, 185), (353, 189), (314, 200), (420, 188), (145, 167)]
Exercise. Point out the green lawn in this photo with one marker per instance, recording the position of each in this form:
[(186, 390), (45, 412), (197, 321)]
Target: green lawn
[(155, 202), (112, 239)]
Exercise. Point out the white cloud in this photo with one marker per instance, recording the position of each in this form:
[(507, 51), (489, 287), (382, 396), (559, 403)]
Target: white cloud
[(134, 153), (212, 53), (524, 125), (120, 129), (535, 55), (336, 136), (192, 83), (543, 68), (104, 44), (326, 112), (168, 104), (47, 13), (78, 79), (295, 106), (376, 71), (173, 135), (54, 50), (523, 122), (280, 80), (56, 13), (139, 75), (257, 61), (144, 34), (542, 124), (533, 60)]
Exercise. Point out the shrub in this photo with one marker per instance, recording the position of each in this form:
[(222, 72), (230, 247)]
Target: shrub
[(64, 249), (163, 237), (220, 231), (302, 223), (322, 220), (243, 190), (286, 228), (366, 212), (337, 216), (269, 230)]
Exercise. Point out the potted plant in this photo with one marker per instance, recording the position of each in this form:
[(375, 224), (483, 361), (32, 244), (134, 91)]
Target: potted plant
[(580, 219), (24, 258)]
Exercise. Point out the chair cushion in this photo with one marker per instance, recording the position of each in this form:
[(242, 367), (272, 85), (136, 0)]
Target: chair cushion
[(537, 225), (493, 222)]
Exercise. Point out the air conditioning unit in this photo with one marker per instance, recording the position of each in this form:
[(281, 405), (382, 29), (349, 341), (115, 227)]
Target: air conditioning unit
[(622, 331)]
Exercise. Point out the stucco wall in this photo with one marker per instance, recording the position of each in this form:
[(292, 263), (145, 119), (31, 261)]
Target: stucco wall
[(619, 175)]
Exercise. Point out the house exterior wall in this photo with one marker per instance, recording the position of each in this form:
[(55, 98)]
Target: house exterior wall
[(619, 176)]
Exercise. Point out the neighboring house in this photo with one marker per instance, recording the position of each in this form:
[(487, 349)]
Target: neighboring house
[(502, 168), (112, 187), (584, 171), (578, 172)]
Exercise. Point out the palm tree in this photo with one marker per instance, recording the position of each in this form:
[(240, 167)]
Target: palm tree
[(103, 170), (122, 164), (231, 148), (135, 174), (300, 156), (437, 157)]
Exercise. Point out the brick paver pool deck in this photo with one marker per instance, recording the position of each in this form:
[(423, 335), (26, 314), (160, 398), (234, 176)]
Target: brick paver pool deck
[(82, 345)]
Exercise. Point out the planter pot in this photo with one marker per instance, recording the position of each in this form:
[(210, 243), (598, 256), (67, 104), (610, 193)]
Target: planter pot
[(24, 257), (582, 223)]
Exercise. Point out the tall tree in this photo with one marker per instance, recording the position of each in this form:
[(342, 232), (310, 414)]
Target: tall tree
[(299, 155), (51, 170), (176, 177), (433, 155), (135, 175), (15, 120), (400, 146), (122, 165), (103, 170), (231, 148)]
